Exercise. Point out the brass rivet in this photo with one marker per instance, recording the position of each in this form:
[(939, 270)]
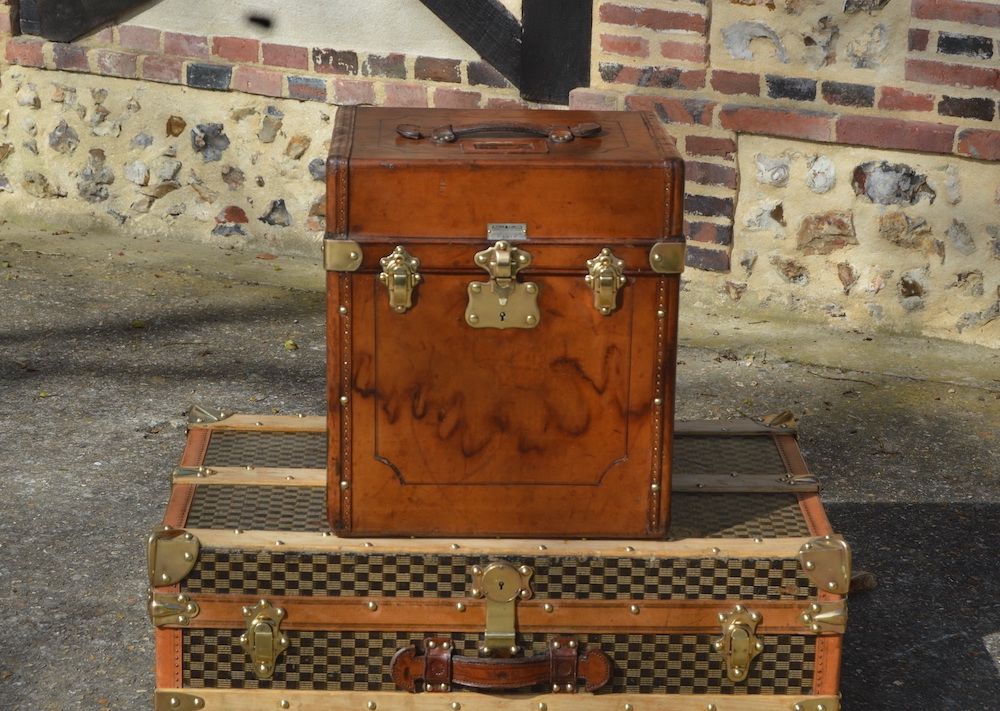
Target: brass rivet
[(634, 609), (371, 706), (343, 400), (279, 543), (711, 707), (300, 415), (372, 605), (629, 549), (198, 702), (342, 309), (164, 576), (188, 537), (455, 546), (530, 320), (514, 651), (629, 707), (188, 556), (542, 706), (174, 701), (555, 688), (758, 540), (657, 401), (369, 544), (181, 619), (569, 687), (446, 645), (259, 423), (473, 318), (810, 565), (542, 547), (289, 478), (548, 607), (716, 551), (524, 570), (344, 484), (476, 288), (555, 644), (572, 644), (284, 704), (530, 288), (654, 487), (354, 255), (432, 644), (455, 706), (443, 687), (460, 607), (661, 313)]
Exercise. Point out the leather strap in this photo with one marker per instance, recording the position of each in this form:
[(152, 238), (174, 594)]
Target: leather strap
[(438, 669)]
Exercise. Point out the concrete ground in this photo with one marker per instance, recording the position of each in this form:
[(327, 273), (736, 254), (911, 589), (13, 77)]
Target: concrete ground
[(105, 341)]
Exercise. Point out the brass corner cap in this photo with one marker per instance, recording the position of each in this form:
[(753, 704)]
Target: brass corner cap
[(667, 257), (341, 255)]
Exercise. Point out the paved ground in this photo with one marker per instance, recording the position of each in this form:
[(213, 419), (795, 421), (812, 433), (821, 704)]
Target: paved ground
[(104, 343)]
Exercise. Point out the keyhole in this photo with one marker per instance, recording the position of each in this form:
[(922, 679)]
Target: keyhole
[(500, 582), (503, 315)]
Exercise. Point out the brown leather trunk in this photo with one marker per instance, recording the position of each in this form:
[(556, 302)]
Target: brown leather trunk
[(492, 369)]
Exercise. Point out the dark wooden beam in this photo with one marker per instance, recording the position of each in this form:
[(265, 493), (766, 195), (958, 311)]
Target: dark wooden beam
[(487, 27), (555, 48), (65, 20)]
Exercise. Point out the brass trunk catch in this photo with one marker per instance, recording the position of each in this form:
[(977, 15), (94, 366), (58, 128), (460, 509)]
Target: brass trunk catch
[(171, 609), (502, 302), (263, 641), (826, 617), (827, 563), (738, 644), (667, 257), (399, 275), (342, 255), (605, 276), (501, 585), (175, 700), (198, 415), (171, 553)]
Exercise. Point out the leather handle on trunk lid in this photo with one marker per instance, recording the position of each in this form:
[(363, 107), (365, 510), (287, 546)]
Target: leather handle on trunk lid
[(438, 669), (450, 134)]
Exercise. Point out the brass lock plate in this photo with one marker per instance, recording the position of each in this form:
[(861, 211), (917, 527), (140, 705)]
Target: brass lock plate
[(605, 277), (263, 641), (501, 585), (502, 302), (739, 644)]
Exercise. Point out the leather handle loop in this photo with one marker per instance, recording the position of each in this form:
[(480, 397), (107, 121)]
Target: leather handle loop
[(558, 670), (449, 134)]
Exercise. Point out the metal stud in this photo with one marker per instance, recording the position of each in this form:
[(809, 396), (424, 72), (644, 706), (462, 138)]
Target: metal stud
[(555, 688), (473, 318), (630, 549), (634, 609), (279, 543), (758, 540), (342, 309), (711, 707), (629, 707), (446, 645), (343, 400), (514, 651), (369, 544), (716, 551), (660, 313), (432, 644), (658, 401), (344, 483), (259, 423), (372, 605), (556, 644), (455, 546), (548, 607), (572, 644), (443, 687), (327, 534), (284, 704), (530, 319), (289, 478), (542, 547), (654, 486), (542, 706), (569, 687), (371, 706), (455, 706), (460, 607)]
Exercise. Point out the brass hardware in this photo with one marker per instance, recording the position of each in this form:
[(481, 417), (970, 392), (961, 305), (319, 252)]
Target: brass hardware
[(399, 275), (342, 255), (174, 700), (181, 474), (829, 704), (605, 276), (502, 302), (171, 553), (738, 644), (826, 617), (198, 415), (827, 563), (171, 609), (667, 257), (502, 585), (263, 641)]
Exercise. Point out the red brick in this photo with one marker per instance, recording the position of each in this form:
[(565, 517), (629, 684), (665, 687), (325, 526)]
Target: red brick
[(353, 91), (710, 174), (979, 143), (70, 57), (116, 64), (588, 99), (712, 260), (237, 49), (708, 232), (257, 81), (185, 45), (710, 146), (917, 40), (652, 18), (456, 99), (133, 37), (25, 51), (6, 20), (658, 77), (689, 51), (307, 88), (952, 74), (285, 55), (435, 69), (896, 99), (629, 46), (809, 125), (894, 133), (694, 111), (405, 95), (162, 68), (972, 13), (501, 103), (735, 82)]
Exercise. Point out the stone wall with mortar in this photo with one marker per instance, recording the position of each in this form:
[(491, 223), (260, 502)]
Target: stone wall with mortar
[(904, 91)]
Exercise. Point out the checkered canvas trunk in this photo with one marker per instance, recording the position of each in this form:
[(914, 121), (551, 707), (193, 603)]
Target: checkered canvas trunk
[(267, 540)]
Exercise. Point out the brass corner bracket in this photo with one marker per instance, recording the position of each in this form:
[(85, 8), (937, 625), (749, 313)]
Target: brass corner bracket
[(667, 257), (828, 617), (170, 609), (821, 704), (171, 553), (199, 415), (827, 563), (175, 700), (342, 255)]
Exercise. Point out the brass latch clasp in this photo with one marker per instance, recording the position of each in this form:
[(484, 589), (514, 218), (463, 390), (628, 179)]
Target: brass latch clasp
[(605, 276), (263, 641), (502, 302), (738, 644), (501, 585), (400, 276)]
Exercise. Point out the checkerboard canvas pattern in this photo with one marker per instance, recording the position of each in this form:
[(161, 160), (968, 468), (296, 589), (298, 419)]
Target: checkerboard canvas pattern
[(643, 664), (271, 508), (231, 448), (736, 516), (347, 575), (725, 454)]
